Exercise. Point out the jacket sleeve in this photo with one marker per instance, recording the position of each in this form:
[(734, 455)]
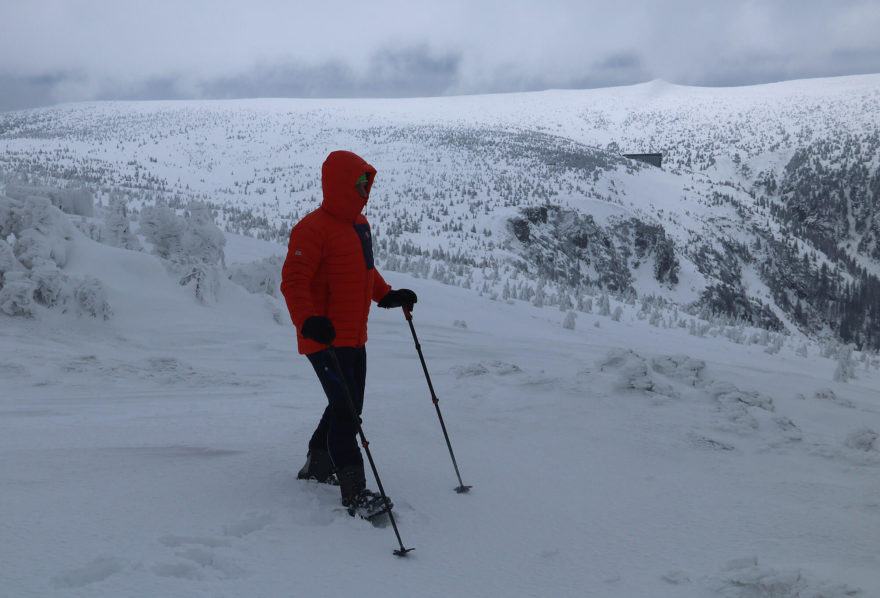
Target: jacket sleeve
[(303, 257), (380, 287)]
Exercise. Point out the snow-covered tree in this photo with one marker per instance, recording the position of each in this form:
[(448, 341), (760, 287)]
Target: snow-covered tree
[(17, 295), (604, 305), (186, 240), (540, 295), (31, 267), (91, 298), (585, 304), (846, 367), (117, 229), (262, 276), (72, 200)]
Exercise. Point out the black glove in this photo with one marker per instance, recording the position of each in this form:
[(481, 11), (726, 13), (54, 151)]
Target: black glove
[(398, 298), (320, 329)]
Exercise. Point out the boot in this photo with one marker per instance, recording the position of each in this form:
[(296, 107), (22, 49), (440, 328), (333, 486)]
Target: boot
[(318, 467), (355, 496)]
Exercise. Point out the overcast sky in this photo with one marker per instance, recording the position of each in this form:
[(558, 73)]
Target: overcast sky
[(55, 51)]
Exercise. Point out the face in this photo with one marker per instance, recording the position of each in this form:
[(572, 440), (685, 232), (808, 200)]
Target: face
[(362, 189)]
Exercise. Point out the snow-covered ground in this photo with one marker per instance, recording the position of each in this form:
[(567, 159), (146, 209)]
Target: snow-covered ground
[(155, 454)]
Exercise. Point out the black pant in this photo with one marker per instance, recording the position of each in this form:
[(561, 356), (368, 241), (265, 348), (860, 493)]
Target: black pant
[(337, 430)]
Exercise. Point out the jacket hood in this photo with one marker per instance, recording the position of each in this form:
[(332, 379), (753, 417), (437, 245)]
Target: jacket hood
[(340, 172)]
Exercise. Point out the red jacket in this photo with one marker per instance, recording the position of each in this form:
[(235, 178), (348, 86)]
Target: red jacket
[(329, 268)]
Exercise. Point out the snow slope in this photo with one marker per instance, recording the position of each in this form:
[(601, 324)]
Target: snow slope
[(154, 454)]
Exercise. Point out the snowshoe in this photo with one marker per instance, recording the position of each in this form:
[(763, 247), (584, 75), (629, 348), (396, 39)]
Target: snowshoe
[(318, 467), (359, 501), (367, 504)]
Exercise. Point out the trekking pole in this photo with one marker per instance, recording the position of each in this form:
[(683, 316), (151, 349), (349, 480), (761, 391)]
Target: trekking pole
[(461, 487), (357, 420)]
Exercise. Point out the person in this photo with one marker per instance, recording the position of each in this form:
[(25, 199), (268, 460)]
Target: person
[(328, 281)]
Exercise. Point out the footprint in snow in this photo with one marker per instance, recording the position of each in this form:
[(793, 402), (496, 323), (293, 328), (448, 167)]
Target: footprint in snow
[(744, 578), (499, 368), (98, 570), (172, 541), (254, 522), (197, 558), (198, 564)]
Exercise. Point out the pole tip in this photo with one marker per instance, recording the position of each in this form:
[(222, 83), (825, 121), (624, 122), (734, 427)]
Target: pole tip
[(402, 552), (463, 489)]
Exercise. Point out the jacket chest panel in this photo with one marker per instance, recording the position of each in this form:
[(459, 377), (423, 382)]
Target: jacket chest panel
[(349, 248)]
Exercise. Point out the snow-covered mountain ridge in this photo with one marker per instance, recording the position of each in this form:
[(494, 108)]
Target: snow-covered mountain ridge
[(767, 204)]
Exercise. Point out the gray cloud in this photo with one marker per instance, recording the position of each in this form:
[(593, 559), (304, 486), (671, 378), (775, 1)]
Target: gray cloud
[(403, 72), (17, 92), (55, 50)]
